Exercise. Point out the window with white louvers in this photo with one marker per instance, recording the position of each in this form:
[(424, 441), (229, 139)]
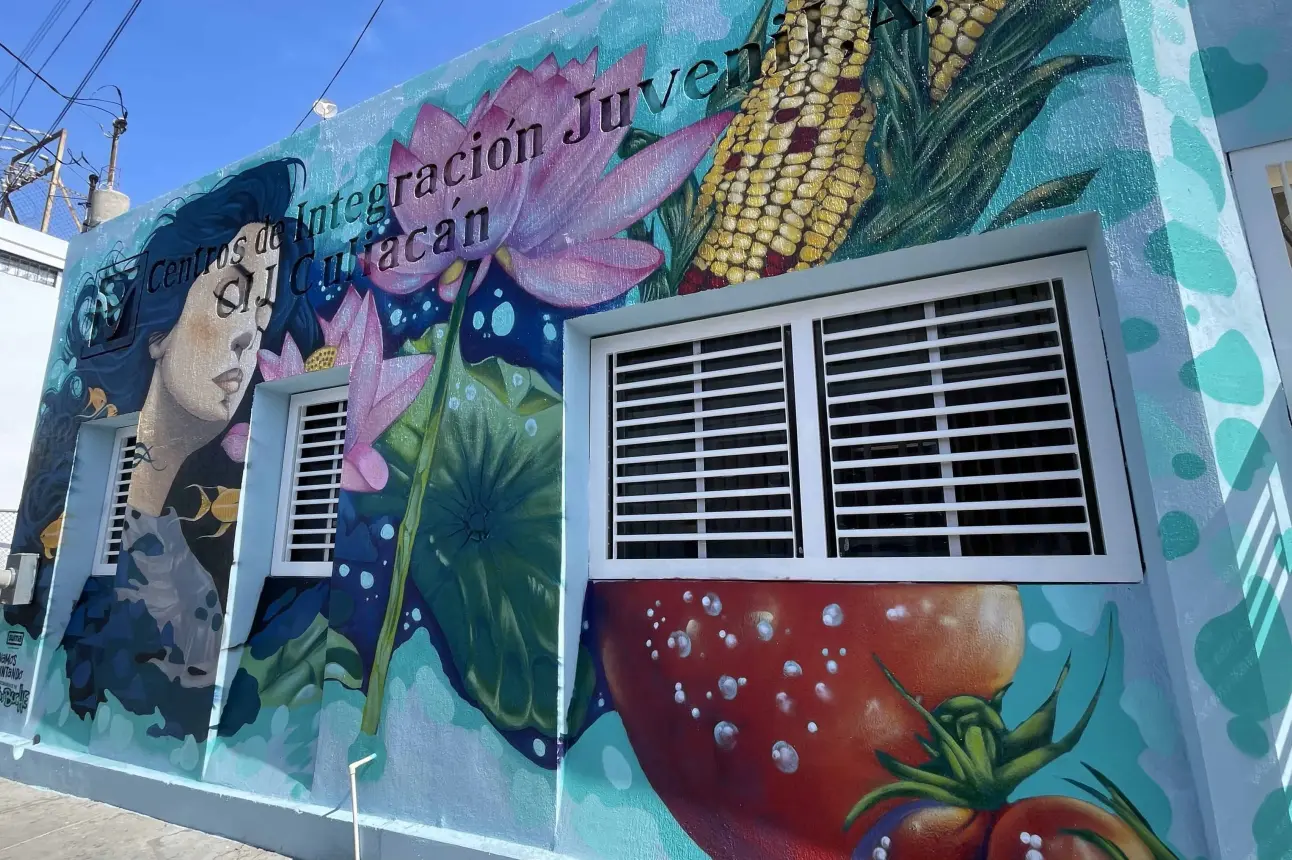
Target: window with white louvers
[(112, 528), (311, 484), (959, 428)]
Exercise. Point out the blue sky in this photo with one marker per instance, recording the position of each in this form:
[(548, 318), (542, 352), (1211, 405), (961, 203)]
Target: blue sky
[(207, 82)]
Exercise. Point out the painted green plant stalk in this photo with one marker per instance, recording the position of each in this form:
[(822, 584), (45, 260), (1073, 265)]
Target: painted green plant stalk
[(430, 433)]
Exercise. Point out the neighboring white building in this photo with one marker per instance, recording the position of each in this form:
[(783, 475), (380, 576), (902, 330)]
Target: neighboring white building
[(31, 269)]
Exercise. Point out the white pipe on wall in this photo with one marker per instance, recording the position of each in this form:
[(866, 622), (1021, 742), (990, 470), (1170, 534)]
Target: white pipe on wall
[(354, 798)]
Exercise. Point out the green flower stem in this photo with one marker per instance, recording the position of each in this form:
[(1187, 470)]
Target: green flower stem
[(413, 512)]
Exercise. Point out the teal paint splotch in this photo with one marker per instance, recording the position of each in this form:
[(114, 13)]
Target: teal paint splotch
[(1178, 533), (1233, 84), (1196, 261), (1248, 737), (1188, 466), (1241, 449), (1138, 334), (1272, 826), (1192, 315), (1248, 663), (1229, 372), (1192, 149)]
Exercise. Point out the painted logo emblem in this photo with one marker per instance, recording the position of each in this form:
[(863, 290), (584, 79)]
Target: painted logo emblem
[(108, 323)]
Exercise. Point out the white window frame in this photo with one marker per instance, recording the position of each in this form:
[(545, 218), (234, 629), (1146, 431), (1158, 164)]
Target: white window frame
[(1265, 241), (280, 565), (119, 437), (1121, 560)]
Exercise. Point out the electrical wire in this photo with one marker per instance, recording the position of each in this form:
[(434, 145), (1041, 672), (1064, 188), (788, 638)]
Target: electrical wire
[(51, 54), (98, 61), (34, 42), (335, 75), (54, 89)]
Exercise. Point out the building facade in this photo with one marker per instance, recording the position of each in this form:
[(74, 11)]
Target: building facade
[(725, 429)]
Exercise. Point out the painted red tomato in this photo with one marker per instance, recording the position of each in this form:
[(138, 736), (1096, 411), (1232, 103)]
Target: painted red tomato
[(1044, 827), (756, 708)]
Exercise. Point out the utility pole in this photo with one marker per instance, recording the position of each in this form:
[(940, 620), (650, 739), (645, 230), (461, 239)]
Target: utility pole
[(105, 201)]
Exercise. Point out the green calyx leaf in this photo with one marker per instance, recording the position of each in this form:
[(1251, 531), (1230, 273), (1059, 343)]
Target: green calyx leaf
[(975, 760), (1122, 807)]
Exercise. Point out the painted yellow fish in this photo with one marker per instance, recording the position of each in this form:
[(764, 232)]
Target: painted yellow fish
[(223, 507), (51, 535), (96, 404)]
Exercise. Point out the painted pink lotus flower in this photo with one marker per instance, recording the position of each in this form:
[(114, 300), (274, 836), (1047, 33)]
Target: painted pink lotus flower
[(234, 442), (554, 217), (380, 390)]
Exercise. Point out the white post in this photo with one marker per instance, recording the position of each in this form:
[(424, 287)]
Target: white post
[(354, 798)]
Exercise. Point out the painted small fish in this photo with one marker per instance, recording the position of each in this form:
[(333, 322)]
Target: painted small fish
[(96, 404), (223, 507), (51, 535)]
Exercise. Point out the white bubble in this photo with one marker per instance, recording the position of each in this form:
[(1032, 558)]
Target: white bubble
[(517, 379), (655, 625), (549, 331), (396, 316), (647, 643), (843, 652), (657, 603), (728, 687), (812, 728), (417, 614), (1025, 837), (792, 669), (387, 531), (497, 293), (679, 640), (832, 615), (730, 640), (712, 605), (708, 694), (679, 697), (650, 613), (831, 666), (654, 655), (724, 735), (823, 692), (764, 629), (825, 652), (687, 597), (898, 611), (471, 392), (365, 579), (742, 681), (531, 427), (503, 319), (879, 854), (722, 634), (677, 686), (1035, 841), (426, 305), (785, 757), (784, 702), (405, 625), (540, 748), (344, 570), (695, 713), (454, 403), (477, 320), (1033, 854)]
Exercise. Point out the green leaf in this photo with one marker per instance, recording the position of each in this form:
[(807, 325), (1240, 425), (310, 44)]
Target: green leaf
[(635, 141), (1099, 841), (294, 674), (724, 98), (344, 664), (487, 554), (1038, 729), (1054, 194)]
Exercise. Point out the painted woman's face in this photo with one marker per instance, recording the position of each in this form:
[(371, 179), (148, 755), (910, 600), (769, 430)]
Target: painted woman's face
[(207, 359)]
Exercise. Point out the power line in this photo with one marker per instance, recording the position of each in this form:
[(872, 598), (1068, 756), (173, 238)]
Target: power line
[(98, 61), (36, 38), (51, 54), (343, 62), (53, 88)]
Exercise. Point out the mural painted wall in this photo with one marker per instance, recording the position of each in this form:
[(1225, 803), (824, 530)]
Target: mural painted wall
[(434, 241)]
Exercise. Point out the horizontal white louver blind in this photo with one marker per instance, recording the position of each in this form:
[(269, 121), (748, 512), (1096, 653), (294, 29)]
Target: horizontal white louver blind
[(317, 452), (114, 525), (701, 449), (953, 429)]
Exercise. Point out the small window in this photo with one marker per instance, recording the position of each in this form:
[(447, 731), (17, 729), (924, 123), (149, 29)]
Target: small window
[(113, 525), (311, 483), (940, 429)]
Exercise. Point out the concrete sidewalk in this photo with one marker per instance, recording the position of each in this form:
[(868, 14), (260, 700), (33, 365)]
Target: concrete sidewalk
[(37, 824)]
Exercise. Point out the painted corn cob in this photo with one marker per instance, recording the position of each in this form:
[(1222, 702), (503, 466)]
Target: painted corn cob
[(953, 37), (790, 173)]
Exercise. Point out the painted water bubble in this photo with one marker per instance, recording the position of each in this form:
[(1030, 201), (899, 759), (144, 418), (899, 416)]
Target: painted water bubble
[(365, 579), (831, 666), (784, 702), (823, 692), (679, 696), (812, 728), (682, 642), (387, 531), (728, 687), (764, 630), (695, 713), (832, 615), (687, 597), (730, 639), (785, 757), (792, 669), (724, 735), (531, 427), (712, 604)]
